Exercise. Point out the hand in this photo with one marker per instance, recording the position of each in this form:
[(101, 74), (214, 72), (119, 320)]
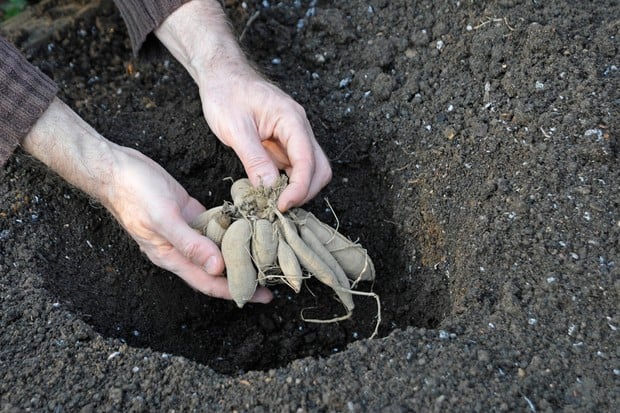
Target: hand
[(267, 129), (269, 132), (142, 196), (154, 209)]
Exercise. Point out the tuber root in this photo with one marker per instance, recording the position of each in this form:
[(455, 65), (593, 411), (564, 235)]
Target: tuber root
[(217, 226), (240, 270), (311, 261), (264, 247), (239, 190), (201, 221), (353, 259), (289, 264)]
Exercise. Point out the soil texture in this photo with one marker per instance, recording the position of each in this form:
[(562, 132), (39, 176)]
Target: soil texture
[(475, 149)]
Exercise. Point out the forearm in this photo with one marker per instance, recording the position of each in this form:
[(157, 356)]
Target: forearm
[(72, 148)]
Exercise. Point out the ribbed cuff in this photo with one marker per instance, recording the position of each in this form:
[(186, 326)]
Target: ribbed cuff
[(25, 93), (144, 16)]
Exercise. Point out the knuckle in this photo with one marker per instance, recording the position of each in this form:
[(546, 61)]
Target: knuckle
[(190, 250), (289, 105), (301, 111), (257, 163)]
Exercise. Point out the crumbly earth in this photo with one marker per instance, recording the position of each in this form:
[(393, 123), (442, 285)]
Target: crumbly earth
[(475, 152)]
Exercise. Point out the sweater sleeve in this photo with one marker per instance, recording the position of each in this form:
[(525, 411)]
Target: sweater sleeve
[(25, 93), (144, 16)]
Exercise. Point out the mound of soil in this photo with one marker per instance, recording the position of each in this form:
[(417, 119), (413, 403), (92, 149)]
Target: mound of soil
[(475, 154)]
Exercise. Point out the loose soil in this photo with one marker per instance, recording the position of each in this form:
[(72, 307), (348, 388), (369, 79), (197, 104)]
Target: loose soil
[(475, 154)]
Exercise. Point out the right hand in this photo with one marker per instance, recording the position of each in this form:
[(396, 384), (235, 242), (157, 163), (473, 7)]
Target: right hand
[(265, 127)]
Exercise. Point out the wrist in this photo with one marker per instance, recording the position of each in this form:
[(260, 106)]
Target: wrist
[(73, 149), (199, 36)]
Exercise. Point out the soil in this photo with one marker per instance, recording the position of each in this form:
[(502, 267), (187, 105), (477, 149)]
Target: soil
[(475, 149)]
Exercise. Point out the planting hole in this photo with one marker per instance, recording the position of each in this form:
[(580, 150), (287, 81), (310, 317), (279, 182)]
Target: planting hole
[(99, 272)]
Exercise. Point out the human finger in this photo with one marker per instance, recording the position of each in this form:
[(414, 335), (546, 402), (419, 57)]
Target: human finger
[(259, 166), (198, 249), (321, 177), (199, 280), (315, 172), (300, 151)]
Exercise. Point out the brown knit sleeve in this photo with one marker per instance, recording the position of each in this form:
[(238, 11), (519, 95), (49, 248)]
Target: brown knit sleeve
[(144, 16), (25, 93)]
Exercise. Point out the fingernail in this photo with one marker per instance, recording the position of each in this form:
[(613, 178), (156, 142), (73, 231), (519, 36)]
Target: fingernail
[(284, 206), (268, 180), (211, 265)]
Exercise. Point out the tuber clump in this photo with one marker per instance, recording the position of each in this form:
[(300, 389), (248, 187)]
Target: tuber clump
[(261, 245)]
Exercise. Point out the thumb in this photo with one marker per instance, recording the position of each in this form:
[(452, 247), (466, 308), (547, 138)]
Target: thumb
[(198, 249)]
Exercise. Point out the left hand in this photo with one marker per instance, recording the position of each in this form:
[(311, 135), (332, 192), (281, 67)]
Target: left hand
[(267, 129), (155, 210), (149, 203)]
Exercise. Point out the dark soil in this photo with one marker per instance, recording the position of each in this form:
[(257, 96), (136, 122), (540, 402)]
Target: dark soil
[(475, 150)]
